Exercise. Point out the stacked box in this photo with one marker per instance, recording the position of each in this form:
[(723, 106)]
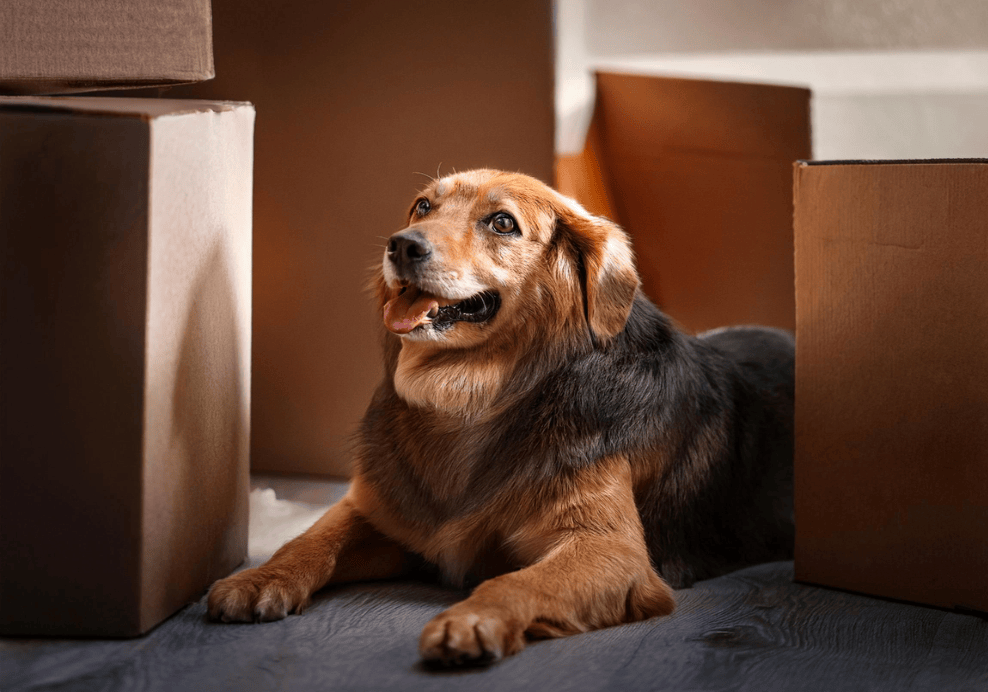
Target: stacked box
[(61, 47), (891, 466), (125, 322)]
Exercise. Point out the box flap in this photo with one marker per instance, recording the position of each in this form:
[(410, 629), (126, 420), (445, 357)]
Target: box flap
[(698, 115), (699, 173)]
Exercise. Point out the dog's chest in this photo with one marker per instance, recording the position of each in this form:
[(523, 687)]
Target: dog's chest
[(464, 553), (439, 516), (454, 388), (466, 546), (441, 488)]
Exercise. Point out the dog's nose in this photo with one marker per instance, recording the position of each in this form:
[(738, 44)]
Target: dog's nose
[(408, 248)]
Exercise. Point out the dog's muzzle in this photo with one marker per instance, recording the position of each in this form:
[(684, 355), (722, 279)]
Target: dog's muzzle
[(409, 254)]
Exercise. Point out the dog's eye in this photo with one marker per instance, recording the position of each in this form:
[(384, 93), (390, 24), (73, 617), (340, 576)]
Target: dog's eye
[(422, 207), (504, 224)]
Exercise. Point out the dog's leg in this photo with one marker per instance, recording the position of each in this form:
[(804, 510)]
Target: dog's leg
[(588, 568), (342, 546)]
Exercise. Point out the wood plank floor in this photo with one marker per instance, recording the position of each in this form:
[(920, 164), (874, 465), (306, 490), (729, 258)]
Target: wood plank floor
[(750, 630)]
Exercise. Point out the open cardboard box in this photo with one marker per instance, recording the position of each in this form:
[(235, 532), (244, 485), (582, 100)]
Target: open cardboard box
[(891, 475), (62, 47), (125, 305), (699, 173)]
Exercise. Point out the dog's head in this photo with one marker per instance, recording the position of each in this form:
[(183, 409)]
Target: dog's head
[(488, 256)]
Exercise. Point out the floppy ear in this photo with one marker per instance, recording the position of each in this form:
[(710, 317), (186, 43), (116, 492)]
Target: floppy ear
[(610, 280)]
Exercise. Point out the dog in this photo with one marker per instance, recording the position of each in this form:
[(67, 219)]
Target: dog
[(543, 431)]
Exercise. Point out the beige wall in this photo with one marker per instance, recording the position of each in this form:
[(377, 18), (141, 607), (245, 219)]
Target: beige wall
[(890, 78), (673, 26)]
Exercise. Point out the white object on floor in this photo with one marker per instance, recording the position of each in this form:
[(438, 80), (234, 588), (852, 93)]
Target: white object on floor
[(274, 522)]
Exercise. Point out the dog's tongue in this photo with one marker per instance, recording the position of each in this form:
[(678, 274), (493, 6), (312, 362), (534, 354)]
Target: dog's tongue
[(409, 309)]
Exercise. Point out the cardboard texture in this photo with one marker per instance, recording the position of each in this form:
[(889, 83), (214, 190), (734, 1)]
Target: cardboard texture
[(125, 238), (57, 47), (892, 379), (699, 173), (360, 103)]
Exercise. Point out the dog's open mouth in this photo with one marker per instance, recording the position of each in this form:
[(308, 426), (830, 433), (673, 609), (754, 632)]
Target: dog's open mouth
[(413, 308)]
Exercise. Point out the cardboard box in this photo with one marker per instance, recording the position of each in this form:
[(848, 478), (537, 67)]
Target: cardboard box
[(699, 173), (51, 47), (361, 103), (892, 379), (125, 315)]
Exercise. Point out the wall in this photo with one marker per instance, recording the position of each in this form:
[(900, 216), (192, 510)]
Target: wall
[(891, 79)]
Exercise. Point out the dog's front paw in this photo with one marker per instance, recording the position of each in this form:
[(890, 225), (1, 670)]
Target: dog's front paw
[(462, 636), (255, 596)]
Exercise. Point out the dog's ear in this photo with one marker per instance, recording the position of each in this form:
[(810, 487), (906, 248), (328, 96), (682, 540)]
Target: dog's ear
[(607, 267)]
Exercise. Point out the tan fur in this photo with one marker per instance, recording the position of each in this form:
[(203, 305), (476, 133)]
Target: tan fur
[(461, 388), (587, 568), (568, 556)]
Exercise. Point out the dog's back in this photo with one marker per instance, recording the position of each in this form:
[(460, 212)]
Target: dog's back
[(723, 496), (766, 358), (766, 355)]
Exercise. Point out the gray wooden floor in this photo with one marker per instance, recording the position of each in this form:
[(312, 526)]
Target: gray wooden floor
[(751, 630)]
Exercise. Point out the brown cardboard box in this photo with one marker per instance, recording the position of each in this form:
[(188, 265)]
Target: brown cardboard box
[(892, 379), (125, 313), (57, 47), (699, 173), (359, 104)]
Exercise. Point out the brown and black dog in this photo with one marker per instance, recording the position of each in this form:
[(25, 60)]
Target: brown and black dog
[(543, 429)]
